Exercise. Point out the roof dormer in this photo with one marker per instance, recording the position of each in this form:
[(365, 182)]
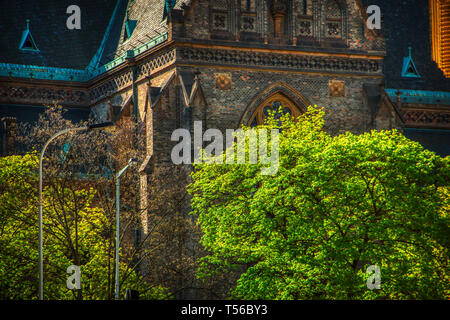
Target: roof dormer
[(27, 42), (409, 68)]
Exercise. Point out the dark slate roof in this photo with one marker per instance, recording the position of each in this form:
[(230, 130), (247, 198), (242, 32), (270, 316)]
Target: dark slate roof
[(407, 23), (434, 140), (112, 41), (149, 17), (59, 46), (30, 114)]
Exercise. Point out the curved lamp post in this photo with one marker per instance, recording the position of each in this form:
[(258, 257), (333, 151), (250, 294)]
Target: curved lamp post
[(130, 164), (41, 158)]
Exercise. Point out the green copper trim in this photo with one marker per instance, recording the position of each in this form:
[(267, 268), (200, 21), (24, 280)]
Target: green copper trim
[(419, 96), (66, 74)]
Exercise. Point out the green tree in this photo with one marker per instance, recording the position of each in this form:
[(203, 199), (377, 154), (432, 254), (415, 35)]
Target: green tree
[(75, 233), (337, 205)]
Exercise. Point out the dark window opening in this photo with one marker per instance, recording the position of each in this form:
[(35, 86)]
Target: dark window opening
[(8, 133)]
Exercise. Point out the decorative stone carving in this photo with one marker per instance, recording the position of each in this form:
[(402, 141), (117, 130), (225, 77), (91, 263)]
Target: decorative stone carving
[(43, 95), (220, 21), (155, 64), (281, 61), (304, 28), (223, 81), (248, 23), (427, 118), (111, 86), (337, 88)]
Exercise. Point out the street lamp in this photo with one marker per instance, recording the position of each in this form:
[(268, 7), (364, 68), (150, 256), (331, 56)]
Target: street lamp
[(41, 158), (130, 164)]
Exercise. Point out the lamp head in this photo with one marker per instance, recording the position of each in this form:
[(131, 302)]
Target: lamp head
[(100, 125), (132, 161)]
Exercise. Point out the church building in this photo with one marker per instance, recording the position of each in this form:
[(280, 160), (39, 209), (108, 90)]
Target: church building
[(169, 63)]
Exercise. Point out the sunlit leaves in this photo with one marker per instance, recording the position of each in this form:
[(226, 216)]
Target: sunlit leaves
[(337, 205)]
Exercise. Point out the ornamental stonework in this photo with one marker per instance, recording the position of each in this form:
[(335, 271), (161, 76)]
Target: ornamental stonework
[(427, 118), (223, 81), (111, 86), (155, 64), (337, 88), (43, 95), (206, 56)]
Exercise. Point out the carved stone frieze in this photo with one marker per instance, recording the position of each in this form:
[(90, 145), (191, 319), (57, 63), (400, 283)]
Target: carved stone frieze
[(427, 118), (43, 95), (281, 61)]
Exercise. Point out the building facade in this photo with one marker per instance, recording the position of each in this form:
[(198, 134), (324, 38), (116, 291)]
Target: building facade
[(226, 63)]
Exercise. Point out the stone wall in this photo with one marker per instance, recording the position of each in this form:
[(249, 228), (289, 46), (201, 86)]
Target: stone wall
[(232, 21), (225, 108)]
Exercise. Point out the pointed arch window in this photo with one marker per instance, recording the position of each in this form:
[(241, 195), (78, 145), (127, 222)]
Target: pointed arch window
[(334, 20), (279, 104)]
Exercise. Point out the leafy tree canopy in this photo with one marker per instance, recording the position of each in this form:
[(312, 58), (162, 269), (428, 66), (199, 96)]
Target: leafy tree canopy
[(337, 205), (75, 233)]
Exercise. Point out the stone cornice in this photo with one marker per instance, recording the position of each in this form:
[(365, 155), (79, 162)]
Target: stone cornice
[(346, 64), (260, 47), (172, 53)]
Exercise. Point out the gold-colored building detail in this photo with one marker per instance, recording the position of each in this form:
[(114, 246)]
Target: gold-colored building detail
[(440, 34)]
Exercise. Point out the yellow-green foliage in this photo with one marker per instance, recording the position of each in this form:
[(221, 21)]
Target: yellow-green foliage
[(337, 205), (19, 239)]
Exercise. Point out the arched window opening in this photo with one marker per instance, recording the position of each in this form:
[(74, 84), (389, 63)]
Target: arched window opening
[(277, 104)]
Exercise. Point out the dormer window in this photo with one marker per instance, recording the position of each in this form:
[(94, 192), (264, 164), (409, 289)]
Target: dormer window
[(129, 27), (409, 68), (27, 42)]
